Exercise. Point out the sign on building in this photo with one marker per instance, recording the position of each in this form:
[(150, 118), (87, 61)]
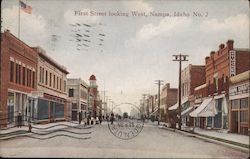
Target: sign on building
[(232, 62)]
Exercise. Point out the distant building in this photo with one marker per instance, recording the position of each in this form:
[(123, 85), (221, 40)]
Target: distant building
[(18, 63), (77, 97), (95, 104), (168, 98)]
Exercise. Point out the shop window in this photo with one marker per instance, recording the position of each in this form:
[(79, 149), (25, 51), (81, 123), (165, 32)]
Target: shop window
[(42, 112), (59, 112), (243, 103), (219, 105), (10, 104), (243, 116)]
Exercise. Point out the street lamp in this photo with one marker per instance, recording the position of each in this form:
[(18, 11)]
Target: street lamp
[(179, 58)]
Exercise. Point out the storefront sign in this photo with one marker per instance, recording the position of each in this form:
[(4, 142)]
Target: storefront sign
[(239, 89), (232, 58)]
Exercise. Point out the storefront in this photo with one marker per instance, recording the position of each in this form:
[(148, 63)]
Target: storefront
[(16, 103), (239, 103), (46, 108)]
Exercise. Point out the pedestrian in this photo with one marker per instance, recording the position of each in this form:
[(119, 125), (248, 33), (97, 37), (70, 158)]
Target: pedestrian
[(100, 119), (80, 117), (19, 120), (112, 118)]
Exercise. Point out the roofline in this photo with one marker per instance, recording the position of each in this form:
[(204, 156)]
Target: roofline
[(43, 54)]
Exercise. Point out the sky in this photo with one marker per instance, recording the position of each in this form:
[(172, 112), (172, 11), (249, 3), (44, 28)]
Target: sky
[(135, 50)]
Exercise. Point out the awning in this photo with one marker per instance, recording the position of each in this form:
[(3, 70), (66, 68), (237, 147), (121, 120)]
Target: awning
[(186, 111), (206, 109), (219, 96), (174, 107), (154, 111)]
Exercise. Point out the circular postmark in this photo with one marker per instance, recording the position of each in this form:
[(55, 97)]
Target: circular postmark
[(125, 125)]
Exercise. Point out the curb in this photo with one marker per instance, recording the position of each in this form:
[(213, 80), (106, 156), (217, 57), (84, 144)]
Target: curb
[(224, 142)]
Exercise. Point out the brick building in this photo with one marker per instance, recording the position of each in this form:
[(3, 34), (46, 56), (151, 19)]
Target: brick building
[(212, 98), (77, 97), (18, 78), (50, 98), (167, 99), (191, 77)]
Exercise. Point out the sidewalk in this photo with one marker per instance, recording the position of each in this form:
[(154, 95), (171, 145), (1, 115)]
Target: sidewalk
[(237, 141), (243, 139)]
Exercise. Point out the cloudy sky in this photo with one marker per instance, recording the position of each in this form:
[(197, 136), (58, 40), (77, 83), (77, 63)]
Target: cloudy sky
[(136, 50)]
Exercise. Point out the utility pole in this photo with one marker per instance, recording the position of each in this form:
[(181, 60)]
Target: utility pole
[(179, 58), (159, 82)]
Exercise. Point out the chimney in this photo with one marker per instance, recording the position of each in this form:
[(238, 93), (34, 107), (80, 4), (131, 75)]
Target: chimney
[(207, 58), (167, 85), (221, 46), (212, 54), (230, 44)]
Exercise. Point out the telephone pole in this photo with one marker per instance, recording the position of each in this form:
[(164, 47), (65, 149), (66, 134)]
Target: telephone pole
[(159, 82), (179, 58)]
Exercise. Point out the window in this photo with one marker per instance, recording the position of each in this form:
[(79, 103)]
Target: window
[(219, 105), (243, 116), (60, 84), (43, 109), (46, 77), (71, 92), (215, 84), (74, 105), (40, 74), (59, 110), (19, 68), (24, 75), (33, 81), (54, 82), (57, 82), (17, 73), (64, 85), (30, 78), (43, 76), (243, 103), (27, 77), (50, 79), (235, 104), (11, 71)]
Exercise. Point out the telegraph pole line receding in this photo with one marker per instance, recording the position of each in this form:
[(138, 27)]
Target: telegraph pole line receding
[(179, 58), (159, 82)]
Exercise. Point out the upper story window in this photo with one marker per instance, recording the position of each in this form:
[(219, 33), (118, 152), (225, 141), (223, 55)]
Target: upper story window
[(71, 92)]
